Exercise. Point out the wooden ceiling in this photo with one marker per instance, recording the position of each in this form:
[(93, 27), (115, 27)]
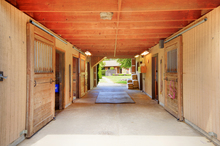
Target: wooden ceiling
[(136, 25)]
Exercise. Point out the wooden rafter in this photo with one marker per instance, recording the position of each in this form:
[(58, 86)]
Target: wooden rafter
[(111, 5), (118, 19), (136, 24)]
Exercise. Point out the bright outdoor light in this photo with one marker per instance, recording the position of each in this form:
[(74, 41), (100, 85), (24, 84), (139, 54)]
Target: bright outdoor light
[(136, 56), (145, 53), (88, 53)]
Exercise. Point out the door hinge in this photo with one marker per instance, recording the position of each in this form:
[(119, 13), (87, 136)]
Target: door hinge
[(23, 132)]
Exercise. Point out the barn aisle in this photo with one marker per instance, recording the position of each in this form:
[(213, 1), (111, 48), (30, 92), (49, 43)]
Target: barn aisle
[(142, 123)]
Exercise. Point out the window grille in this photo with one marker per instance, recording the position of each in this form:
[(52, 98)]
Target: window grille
[(43, 57), (172, 61)]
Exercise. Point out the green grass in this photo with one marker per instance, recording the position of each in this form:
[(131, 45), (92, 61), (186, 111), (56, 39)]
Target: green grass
[(116, 79), (102, 81)]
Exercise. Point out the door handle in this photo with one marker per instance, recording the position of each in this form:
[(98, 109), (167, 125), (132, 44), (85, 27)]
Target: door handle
[(2, 77)]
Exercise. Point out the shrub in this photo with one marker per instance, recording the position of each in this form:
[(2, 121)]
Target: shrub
[(113, 74), (112, 68), (128, 74), (103, 72), (121, 74)]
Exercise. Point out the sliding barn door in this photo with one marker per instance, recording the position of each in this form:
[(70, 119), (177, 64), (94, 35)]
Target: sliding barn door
[(40, 79), (82, 76), (173, 77)]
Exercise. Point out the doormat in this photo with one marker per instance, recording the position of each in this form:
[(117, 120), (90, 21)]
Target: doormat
[(114, 97)]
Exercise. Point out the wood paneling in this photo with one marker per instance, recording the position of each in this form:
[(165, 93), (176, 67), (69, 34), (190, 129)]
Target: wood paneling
[(201, 82), (82, 76), (112, 5), (13, 64)]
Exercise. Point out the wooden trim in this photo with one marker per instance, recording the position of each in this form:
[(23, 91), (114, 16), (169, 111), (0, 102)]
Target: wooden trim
[(61, 50), (81, 56), (74, 55), (30, 79)]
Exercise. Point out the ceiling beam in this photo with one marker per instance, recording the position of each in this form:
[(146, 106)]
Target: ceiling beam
[(120, 31), (118, 19), (134, 36), (124, 16), (111, 5), (113, 25)]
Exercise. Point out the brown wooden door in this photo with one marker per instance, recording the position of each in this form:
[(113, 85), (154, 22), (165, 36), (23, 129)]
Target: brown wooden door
[(173, 77), (40, 79), (88, 76), (82, 76), (155, 78), (75, 78)]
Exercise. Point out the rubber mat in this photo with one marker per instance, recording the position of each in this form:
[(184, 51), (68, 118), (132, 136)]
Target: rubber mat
[(114, 97)]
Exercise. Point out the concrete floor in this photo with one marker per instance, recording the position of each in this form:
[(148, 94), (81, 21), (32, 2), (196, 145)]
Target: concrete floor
[(143, 123)]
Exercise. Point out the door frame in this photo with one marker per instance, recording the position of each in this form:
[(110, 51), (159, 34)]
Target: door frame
[(63, 54), (153, 77)]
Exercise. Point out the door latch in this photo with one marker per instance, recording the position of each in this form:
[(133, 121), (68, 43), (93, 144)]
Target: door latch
[(2, 77)]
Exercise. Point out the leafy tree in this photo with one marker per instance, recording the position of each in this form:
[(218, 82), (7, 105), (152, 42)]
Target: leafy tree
[(124, 63), (99, 67), (112, 68)]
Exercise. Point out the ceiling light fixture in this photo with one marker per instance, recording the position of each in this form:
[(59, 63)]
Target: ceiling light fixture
[(106, 15), (88, 53), (145, 53)]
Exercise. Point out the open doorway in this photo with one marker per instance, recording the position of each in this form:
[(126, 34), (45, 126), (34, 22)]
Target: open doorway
[(155, 78), (59, 86), (88, 78), (75, 78)]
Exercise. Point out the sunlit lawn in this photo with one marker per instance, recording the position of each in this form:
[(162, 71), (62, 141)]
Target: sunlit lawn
[(102, 80), (116, 79)]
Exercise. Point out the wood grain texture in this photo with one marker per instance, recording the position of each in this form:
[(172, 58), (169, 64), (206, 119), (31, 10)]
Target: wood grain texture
[(13, 89), (201, 84), (41, 92)]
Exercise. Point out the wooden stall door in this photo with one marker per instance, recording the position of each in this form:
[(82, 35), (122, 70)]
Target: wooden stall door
[(75, 78), (82, 76), (133, 66), (173, 78), (40, 79)]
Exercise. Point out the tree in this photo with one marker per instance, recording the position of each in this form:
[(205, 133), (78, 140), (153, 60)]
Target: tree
[(124, 63), (99, 67)]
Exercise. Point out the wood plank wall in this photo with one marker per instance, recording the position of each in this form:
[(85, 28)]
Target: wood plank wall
[(13, 63), (201, 74)]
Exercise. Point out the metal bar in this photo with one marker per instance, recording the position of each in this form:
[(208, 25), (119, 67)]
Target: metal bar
[(187, 29), (32, 22), (78, 50)]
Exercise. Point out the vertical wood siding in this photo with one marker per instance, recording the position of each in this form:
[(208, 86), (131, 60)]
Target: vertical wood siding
[(201, 74), (13, 63)]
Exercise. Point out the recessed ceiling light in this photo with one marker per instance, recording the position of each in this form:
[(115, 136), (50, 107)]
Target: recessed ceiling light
[(145, 53), (106, 15)]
